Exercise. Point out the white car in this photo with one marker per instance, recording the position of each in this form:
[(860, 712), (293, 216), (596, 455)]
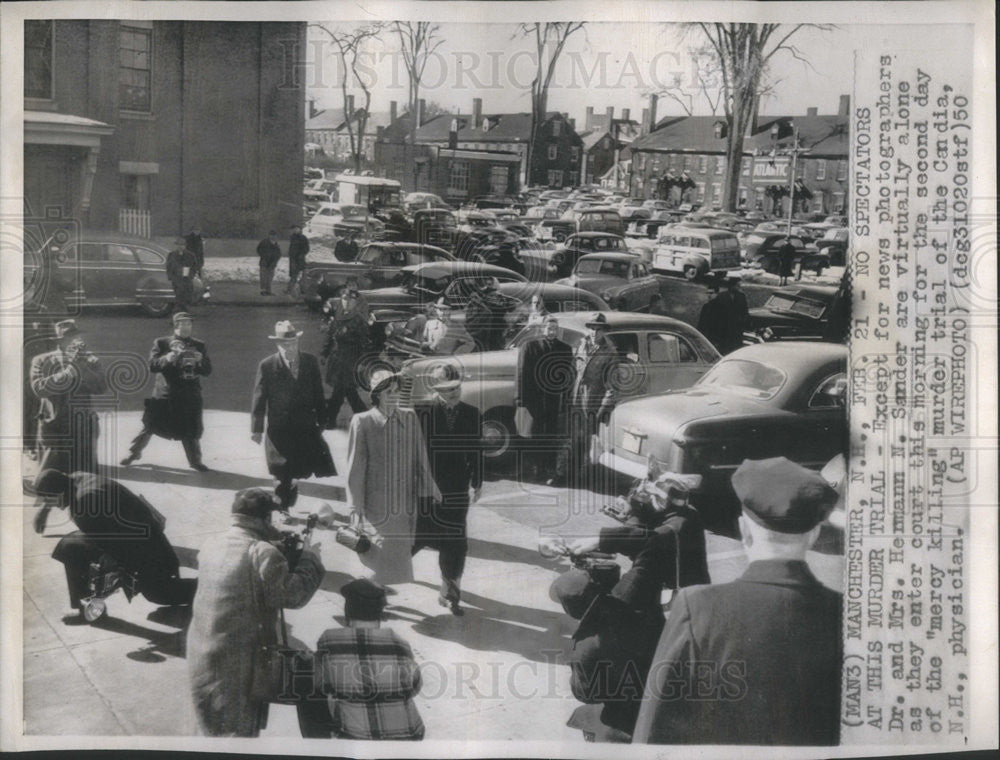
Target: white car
[(334, 219)]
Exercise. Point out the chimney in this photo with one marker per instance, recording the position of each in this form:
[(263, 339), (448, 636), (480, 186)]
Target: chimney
[(421, 108), (644, 124), (477, 113), (811, 111), (349, 108), (392, 111), (590, 118), (611, 115), (572, 124), (845, 106), (626, 112), (453, 133), (652, 111), (379, 133)]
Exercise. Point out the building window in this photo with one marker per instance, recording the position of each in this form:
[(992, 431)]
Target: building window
[(837, 204), (817, 201), (498, 180), (688, 163), (716, 194), (458, 177), (746, 167), (573, 178), (702, 164), (135, 191), (720, 163), (556, 128), (701, 192), (553, 152), (38, 59), (841, 170), (135, 64), (574, 153), (820, 168), (555, 178)]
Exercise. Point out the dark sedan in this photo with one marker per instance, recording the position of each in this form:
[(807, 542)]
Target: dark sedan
[(762, 250), (543, 264), (799, 313)]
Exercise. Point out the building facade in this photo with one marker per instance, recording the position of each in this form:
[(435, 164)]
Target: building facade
[(151, 128), (329, 130)]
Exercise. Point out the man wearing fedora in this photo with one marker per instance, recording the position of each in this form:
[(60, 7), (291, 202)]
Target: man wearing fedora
[(179, 361), (181, 267), (771, 638), (364, 677), (347, 340), (724, 318), (452, 430), (288, 394), (65, 381), (442, 336)]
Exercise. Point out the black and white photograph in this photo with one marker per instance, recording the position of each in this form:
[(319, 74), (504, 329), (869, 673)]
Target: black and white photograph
[(506, 378)]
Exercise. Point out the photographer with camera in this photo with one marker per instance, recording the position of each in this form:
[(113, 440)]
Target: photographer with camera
[(244, 581), (175, 410), (65, 380)]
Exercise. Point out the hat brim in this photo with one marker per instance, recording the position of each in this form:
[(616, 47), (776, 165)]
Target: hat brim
[(298, 334), (596, 325)]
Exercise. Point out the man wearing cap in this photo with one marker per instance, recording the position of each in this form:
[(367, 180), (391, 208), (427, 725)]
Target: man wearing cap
[(181, 265), (244, 581), (288, 393), (298, 249), (546, 374), (65, 381), (268, 254), (444, 337), (452, 431), (175, 410), (347, 340), (113, 521), (364, 676), (771, 639)]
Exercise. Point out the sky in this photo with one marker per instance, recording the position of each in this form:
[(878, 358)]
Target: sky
[(605, 64)]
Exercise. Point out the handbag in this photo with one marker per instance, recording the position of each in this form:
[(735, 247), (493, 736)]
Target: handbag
[(353, 536), (523, 421)]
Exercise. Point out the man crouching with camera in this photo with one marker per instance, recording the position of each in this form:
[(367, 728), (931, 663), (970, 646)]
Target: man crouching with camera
[(245, 580)]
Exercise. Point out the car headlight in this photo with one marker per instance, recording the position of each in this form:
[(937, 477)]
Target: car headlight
[(607, 295), (389, 328), (767, 333)]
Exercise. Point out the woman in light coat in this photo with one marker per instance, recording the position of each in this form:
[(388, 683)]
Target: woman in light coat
[(388, 471)]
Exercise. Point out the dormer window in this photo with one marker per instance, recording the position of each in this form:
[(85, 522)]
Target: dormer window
[(720, 130)]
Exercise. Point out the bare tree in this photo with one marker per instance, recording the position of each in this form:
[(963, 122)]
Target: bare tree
[(417, 42), (350, 44), (549, 38), (743, 53), (705, 82)]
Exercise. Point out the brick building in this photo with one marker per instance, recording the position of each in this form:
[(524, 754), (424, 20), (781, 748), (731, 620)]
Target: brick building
[(328, 129), (605, 141), (151, 127), (683, 160)]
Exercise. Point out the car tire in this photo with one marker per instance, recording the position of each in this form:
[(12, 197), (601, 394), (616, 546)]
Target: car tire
[(498, 433), (157, 307), (559, 237), (690, 273)]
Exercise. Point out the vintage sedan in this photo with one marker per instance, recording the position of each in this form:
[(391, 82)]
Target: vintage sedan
[(761, 250), (799, 313), (424, 284), (403, 338), (835, 242), (775, 399), (661, 354), (334, 220), (621, 279), (543, 264), (105, 269), (379, 265)]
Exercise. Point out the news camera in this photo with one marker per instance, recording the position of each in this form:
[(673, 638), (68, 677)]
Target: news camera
[(292, 543)]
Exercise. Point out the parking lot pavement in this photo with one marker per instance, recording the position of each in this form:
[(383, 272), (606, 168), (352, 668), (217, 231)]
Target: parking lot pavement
[(496, 673)]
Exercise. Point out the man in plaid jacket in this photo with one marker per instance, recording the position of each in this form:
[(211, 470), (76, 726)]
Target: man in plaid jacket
[(364, 676)]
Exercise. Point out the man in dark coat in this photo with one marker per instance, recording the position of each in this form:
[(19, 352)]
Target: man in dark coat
[(486, 315), (452, 430), (268, 254), (786, 261), (175, 410), (195, 243), (347, 340), (298, 249), (724, 318), (111, 520), (288, 392), (772, 637), (181, 266), (65, 381), (346, 248), (545, 379)]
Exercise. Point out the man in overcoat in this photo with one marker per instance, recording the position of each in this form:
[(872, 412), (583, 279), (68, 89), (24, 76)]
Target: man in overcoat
[(288, 393), (111, 520), (451, 429), (724, 318), (179, 361), (545, 378), (298, 249), (181, 266), (347, 339), (65, 381), (244, 581), (195, 243), (771, 639), (268, 255)]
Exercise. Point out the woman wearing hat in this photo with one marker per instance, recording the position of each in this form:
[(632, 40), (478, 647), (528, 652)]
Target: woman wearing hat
[(388, 471)]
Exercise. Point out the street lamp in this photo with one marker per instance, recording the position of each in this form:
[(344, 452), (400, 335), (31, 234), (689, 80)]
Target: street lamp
[(794, 152)]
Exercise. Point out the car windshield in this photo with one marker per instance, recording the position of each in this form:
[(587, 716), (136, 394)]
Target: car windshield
[(835, 234), (748, 378), (609, 244), (721, 244), (791, 304), (602, 266)]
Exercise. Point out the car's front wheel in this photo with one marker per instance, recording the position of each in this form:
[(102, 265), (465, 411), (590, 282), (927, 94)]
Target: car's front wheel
[(690, 273), (157, 307), (497, 433)]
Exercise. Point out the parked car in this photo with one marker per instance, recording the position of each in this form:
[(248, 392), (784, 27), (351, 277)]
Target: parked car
[(774, 399), (696, 252), (834, 242), (662, 354), (798, 230), (544, 264), (403, 338), (424, 284), (335, 220), (819, 228), (479, 238), (761, 250), (797, 313), (104, 269), (590, 219), (621, 279), (378, 265), (414, 201)]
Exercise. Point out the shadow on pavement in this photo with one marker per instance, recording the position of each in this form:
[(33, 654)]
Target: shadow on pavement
[(491, 626), (481, 549), (187, 557), (159, 645), (334, 580), (217, 479)]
